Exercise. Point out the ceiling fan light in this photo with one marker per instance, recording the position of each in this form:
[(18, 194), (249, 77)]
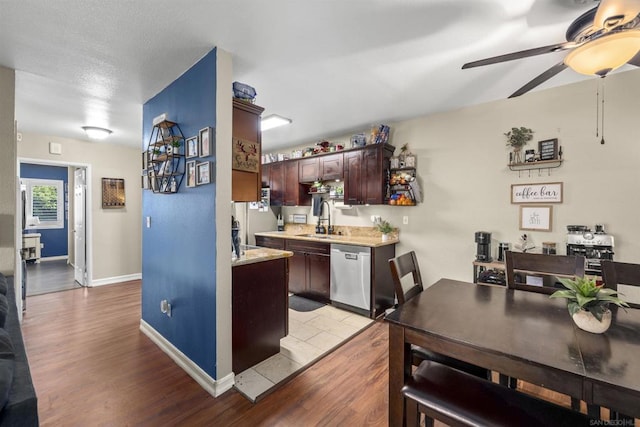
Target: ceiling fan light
[(619, 12), (94, 132), (604, 54)]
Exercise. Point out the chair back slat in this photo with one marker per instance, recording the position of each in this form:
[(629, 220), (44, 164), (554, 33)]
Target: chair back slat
[(541, 264), (401, 266), (622, 273)]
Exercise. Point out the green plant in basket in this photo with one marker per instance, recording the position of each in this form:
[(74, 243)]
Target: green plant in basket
[(584, 294), (518, 137)]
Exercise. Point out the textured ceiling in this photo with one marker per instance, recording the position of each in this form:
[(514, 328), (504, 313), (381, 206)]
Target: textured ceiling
[(333, 66)]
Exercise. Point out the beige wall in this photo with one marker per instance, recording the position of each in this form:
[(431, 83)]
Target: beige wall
[(462, 164), (7, 171), (116, 233)]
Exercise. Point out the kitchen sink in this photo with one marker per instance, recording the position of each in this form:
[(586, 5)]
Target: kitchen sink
[(316, 236)]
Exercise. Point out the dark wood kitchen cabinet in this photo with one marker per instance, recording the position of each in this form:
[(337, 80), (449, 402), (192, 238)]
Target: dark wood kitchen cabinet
[(270, 242), (366, 175), (245, 186), (325, 167), (295, 193), (260, 315), (310, 269)]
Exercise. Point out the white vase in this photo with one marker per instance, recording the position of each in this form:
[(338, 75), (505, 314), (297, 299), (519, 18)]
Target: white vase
[(385, 237), (586, 321)]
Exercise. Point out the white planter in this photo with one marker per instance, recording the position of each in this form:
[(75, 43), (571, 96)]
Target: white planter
[(385, 237), (587, 322)]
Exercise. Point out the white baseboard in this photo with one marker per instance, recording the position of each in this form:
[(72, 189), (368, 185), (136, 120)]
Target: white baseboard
[(54, 258), (213, 387), (116, 279)]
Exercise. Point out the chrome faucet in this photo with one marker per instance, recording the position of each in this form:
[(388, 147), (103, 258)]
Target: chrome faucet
[(320, 228)]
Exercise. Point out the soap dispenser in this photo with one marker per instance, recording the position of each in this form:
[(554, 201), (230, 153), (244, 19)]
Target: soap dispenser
[(280, 223)]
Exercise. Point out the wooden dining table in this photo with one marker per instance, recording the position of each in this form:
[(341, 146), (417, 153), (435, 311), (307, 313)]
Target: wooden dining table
[(521, 334)]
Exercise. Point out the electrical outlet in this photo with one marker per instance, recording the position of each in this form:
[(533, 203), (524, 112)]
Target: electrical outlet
[(148, 222), (405, 220), (375, 218)]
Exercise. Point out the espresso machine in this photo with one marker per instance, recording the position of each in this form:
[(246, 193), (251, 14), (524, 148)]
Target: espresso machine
[(483, 252)]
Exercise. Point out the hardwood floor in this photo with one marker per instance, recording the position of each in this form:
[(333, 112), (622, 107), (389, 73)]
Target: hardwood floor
[(50, 276), (92, 366)]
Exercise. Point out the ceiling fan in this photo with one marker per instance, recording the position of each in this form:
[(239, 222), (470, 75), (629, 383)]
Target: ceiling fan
[(599, 41)]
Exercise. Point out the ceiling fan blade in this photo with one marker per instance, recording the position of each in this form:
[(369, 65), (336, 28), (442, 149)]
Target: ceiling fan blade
[(521, 54), (540, 79)]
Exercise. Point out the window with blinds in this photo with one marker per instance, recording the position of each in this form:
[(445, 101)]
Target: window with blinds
[(45, 203)]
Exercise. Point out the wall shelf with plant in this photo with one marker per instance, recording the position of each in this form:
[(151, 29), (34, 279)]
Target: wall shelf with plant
[(164, 165)]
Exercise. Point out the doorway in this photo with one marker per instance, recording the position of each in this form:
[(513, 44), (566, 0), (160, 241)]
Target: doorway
[(52, 270)]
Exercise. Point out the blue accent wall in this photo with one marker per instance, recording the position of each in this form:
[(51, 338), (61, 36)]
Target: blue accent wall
[(55, 239), (179, 250)]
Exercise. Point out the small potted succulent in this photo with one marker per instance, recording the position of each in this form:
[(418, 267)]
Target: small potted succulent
[(588, 303), (518, 138), (385, 228)]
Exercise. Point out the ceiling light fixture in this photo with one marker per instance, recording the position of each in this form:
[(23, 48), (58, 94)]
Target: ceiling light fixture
[(273, 121), (94, 132), (604, 54)]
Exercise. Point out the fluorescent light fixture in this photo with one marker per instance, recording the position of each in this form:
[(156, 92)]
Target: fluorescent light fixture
[(273, 121), (96, 132), (604, 54)]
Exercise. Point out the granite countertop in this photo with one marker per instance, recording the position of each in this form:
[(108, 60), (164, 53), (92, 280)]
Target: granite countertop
[(371, 241), (253, 254)]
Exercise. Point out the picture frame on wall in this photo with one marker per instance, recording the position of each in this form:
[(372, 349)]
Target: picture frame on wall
[(203, 173), (542, 192), (191, 173), (536, 217), (191, 147), (113, 195), (205, 138), (548, 149)]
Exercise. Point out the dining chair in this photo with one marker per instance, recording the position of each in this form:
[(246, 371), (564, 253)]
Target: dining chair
[(405, 269), (539, 265), (622, 273), (626, 274)]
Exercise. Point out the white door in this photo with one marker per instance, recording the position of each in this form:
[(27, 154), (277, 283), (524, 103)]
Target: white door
[(79, 230)]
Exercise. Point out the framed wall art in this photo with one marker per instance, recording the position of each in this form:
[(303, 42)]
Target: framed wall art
[(548, 149), (544, 192), (206, 141), (113, 196), (203, 173), (192, 147), (246, 155), (191, 173), (536, 217)]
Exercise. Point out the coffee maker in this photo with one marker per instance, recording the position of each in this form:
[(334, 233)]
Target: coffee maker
[(235, 238), (483, 252)]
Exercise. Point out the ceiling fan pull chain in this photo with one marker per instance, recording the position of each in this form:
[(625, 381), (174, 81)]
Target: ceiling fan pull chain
[(602, 125), (598, 109)]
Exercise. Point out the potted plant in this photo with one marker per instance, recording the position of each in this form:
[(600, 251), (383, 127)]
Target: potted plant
[(518, 138), (588, 303), (385, 228)]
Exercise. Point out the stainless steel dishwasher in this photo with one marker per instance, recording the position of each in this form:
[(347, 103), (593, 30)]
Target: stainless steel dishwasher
[(351, 275)]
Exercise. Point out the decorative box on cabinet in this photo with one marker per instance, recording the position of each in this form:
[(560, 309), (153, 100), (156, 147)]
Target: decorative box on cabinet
[(245, 186)]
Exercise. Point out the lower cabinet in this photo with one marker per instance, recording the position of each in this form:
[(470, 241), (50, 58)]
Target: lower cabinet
[(309, 269), (260, 316)]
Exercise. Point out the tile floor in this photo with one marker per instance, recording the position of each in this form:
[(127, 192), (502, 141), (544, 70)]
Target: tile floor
[(312, 334)]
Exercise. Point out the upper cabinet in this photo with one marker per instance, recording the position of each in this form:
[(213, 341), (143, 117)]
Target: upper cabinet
[(366, 175), (321, 168), (246, 176), (283, 180)]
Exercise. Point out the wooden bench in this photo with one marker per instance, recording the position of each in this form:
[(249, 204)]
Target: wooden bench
[(460, 399)]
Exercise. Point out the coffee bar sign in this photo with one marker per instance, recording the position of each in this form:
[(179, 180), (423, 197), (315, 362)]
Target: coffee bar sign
[(547, 192)]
